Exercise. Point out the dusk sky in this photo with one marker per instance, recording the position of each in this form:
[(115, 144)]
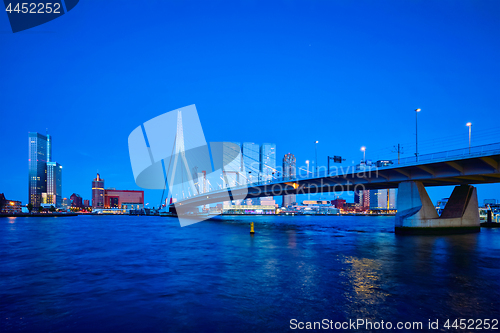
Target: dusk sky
[(345, 73)]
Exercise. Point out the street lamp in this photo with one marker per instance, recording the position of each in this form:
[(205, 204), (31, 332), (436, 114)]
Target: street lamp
[(363, 149), (470, 130), (416, 134), (316, 148)]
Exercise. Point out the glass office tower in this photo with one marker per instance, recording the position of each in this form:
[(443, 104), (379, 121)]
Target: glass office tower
[(268, 161), (231, 152), (251, 162), (37, 168), (54, 184)]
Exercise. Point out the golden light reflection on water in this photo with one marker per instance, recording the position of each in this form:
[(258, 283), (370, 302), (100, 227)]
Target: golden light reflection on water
[(12, 219), (364, 277)]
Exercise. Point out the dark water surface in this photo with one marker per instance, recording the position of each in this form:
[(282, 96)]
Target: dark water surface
[(147, 274)]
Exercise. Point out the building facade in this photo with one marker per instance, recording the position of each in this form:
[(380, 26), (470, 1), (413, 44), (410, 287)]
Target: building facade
[(37, 169), (53, 195), (268, 161), (98, 192), (76, 200), (45, 176), (289, 172), (251, 161), (383, 199), (123, 199)]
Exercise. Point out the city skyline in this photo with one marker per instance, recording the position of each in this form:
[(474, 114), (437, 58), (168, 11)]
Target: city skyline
[(348, 76)]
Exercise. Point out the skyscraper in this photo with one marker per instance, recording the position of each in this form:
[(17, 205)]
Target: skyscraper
[(251, 162), (98, 192), (232, 165), (37, 167), (268, 161), (383, 199), (54, 184), (289, 172)]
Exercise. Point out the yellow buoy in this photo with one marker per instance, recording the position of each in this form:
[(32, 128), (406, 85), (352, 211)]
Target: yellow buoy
[(252, 231)]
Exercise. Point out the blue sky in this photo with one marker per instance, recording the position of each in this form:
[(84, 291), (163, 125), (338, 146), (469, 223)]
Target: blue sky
[(345, 73)]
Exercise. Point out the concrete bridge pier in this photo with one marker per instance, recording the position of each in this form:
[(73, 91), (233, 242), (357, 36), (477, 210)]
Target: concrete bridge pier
[(417, 215)]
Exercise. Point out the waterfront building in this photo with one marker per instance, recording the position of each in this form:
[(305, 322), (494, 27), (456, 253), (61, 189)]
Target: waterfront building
[(45, 175), (76, 200), (37, 171), (251, 162), (289, 172), (339, 203), (362, 198), (383, 199), (123, 199), (9, 206), (65, 203), (98, 192), (53, 196), (232, 165), (487, 202), (248, 209), (86, 203), (268, 161)]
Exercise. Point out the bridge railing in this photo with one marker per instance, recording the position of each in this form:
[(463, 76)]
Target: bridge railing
[(464, 153)]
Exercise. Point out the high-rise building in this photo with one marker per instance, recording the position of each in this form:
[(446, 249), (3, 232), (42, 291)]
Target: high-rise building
[(76, 200), (45, 176), (362, 198), (383, 199), (268, 161), (37, 168), (267, 164), (232, 165), (54, 184), (251, 162), (289, 172), (98, 192)]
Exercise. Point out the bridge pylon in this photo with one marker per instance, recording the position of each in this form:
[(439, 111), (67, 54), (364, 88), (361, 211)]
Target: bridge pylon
[(417, 215)]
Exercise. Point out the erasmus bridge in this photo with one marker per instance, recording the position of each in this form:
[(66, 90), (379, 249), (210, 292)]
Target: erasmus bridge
[(191, 171)]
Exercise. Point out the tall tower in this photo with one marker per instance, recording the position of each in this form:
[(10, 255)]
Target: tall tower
[(268, 161), (37, 167), (251, 162), (54, 184), (289, 172), (98, 192)]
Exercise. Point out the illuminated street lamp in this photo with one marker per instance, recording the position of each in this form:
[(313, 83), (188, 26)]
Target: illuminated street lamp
[(470, 130), (363, 149), (416, 133)]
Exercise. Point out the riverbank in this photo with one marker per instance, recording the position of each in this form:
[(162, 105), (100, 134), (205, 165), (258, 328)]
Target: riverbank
[(38, 215)]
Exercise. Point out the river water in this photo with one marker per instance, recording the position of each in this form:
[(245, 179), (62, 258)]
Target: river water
[(147, 274)]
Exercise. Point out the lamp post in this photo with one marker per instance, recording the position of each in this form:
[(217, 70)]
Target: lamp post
[(416, 134), (316, 162), (363, 149), (470, 130)]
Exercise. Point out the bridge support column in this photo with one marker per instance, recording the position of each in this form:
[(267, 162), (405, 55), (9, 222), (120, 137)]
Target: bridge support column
[(417, 215)]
